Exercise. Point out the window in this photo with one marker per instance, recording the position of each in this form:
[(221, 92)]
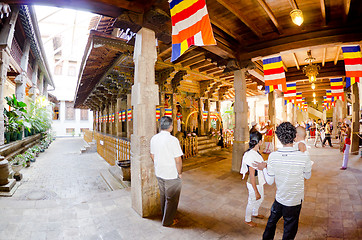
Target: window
[(83, 129), (84, 114), (72, 69), (56, 112), (69, 111), (57, 44), (58, 69), (69, 130)]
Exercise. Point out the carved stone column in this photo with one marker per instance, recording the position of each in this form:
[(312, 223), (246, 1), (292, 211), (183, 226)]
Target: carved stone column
[(241, 130), (295, 115), (271, 110), (201, 131), (337, 115), (34, 78), (285, 111), (355, 119), (20, 80), (145, 192)]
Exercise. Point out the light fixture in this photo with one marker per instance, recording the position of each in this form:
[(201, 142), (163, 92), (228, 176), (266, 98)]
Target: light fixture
[(314, 94), (297, 16), (313, 86), (311, 70), (314, 101)]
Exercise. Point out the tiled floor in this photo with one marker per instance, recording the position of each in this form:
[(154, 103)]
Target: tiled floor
[(212, 203)]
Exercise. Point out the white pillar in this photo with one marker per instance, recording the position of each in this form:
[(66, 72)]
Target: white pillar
[(34, 78), (145, 196), (355, 128), (45, 89), (20, 80), (241, 130), (4, 65)]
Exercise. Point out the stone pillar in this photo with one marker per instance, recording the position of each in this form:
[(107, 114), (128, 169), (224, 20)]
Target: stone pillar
[(118, 119), (355, 119), (20, 80), (34, 78), (241, 130), (200, 124), (290, 112), (4, 65), (108, 124), (337, 115), (295, 115), (285, 111), (41, 84), (45, 89), (144, 190), (129, 123), (113, 124), (174, 113), (218, 123), (271, 110), (208, 120)]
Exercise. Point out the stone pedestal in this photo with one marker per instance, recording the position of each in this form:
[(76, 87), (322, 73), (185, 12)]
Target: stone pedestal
[(145, 192), (241, 130), (355, 119)]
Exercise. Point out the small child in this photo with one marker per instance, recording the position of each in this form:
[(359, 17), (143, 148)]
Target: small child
[(300, 139), (347, 144)]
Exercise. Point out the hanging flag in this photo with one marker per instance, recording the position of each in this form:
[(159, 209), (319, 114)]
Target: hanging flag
[(329, 99), (168, 112), (324, 104), (352, 80), (129, 114), (305, 105), (204, 115), (299, 100), (119, 116), (274, 75), (337, 89), (290, 94), (112, 117), (352, 60), (190, 26), (123, 115), (158, 114)]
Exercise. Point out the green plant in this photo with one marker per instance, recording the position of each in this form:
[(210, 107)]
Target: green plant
[(35, 149), (14, 119), (18, 160), (39, 115)]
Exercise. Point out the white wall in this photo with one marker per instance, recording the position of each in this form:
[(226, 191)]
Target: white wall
[(60, 126)]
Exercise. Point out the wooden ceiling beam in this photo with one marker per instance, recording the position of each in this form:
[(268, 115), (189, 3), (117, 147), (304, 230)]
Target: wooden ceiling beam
[(284, 66), (296, 61), (204, 69), (324, 56), (194, 60), (271, 15), (323, 11), (337, 55), (231, 7), (218, 24), (204, 63), (293, 4), (347, 5)]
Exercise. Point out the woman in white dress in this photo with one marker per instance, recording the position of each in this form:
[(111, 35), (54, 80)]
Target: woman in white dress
[(256, 181)]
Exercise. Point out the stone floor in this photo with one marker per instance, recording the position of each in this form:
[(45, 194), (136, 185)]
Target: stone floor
[(212, 203)]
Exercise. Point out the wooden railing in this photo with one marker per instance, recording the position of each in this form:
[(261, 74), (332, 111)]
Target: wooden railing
[(88, 136), (189, 146), (15, 51), (111, 148), (228, 138)]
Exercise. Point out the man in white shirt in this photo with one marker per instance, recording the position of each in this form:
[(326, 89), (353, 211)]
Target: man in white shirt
[(287, 167), (166, 155)]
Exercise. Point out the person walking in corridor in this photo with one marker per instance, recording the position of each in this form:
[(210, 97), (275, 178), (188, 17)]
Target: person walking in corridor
[(328, 133), (287, 167), (256, 181), (166, 155)]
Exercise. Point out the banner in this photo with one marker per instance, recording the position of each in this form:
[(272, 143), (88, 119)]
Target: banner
[(337, 88), (204, 115), (274, 75), (168, 112), (352, 63), (291, 93), (158, 114), (123, 115), (129, 114)]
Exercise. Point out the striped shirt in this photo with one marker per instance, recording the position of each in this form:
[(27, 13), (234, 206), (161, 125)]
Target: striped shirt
[(288, 167)]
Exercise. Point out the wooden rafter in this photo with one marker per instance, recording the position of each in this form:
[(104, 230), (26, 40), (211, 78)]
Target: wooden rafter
[(229, 6), (270, 13), (347, 5), (222, 27), (284, 66), (200, 64), (323, 11), (337, 55), (324, 56), (194, 60), (296, 61), (294, 4)]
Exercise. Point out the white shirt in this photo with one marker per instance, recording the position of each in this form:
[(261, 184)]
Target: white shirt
[(248, 159), (289, 167), (165, 149)]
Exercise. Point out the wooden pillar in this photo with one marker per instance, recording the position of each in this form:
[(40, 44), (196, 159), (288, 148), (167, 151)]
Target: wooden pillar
[(200, 121), (355, 119), (241, 130), (271, 110), (144, 190)]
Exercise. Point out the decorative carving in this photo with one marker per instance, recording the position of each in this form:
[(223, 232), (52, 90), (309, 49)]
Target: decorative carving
[(162, 76), (175, 82)]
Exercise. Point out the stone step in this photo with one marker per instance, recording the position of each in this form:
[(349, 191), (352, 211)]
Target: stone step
[(118, 175), (201, 138), (110, 181), (208, 141), (216, 148), (205, 146)]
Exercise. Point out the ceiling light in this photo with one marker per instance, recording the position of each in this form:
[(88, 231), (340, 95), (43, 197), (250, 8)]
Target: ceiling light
[(314, 101), (297, 16), (313, 86), (311, 70), (314, 94)]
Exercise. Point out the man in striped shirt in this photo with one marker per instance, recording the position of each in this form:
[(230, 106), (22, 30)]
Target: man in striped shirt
[(287, 167)]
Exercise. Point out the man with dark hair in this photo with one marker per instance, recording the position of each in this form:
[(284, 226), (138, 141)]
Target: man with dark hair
[(166, 155), (287, 167)]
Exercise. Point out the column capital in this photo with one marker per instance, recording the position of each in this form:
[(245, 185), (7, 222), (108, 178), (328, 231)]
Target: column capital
[(21, 78)]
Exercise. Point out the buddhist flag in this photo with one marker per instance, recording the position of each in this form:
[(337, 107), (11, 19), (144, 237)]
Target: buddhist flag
[(299, 99), (204, 115), (190, 26), (337, 88), (123, 115), (274, 75), (119, 116), (352, 61), (112, 117), (290, 94), (168, 112), (329, 98), (158, 114), (129, 114), (305, 105), (324, 103)]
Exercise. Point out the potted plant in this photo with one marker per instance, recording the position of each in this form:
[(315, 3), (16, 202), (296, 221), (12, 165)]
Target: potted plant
[(14, 118), (17, 164), (36, 150), (30, 156)]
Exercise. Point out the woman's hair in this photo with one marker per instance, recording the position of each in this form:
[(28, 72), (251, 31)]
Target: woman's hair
[(255, 138), (286, 133)]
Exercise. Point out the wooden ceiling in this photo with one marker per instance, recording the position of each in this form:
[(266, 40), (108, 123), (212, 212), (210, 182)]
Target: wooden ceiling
[(244, 30)]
